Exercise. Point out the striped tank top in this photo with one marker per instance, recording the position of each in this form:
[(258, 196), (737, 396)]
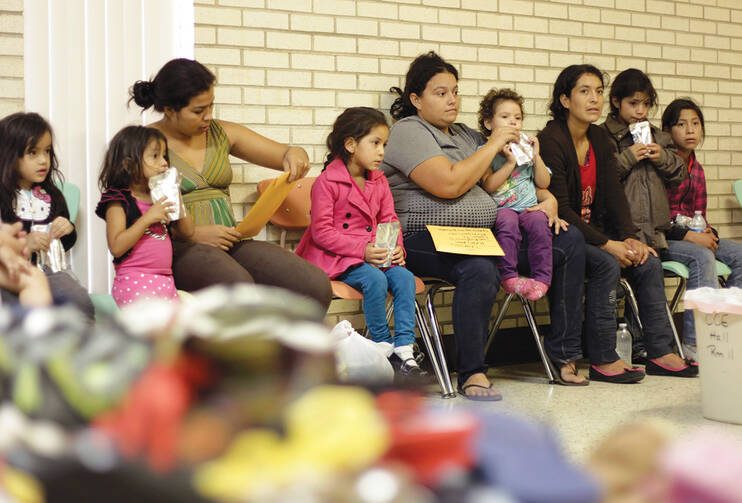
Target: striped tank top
[(206, 192)]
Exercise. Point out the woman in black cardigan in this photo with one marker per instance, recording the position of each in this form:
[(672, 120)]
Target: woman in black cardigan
[(585, 182)]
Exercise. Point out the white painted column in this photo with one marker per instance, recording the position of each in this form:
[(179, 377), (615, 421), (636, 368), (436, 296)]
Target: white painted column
[(81, 57)]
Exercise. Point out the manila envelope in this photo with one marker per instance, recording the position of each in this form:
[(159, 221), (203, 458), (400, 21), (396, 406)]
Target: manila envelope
[(465, 240), (265, 206)]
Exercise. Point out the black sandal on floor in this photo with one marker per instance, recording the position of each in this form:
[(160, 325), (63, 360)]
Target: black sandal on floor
[(494, 396), (556, 370), (655, 368), (627, 376)]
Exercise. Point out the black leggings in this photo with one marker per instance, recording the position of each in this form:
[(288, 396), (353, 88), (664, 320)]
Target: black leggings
[(197, 266)]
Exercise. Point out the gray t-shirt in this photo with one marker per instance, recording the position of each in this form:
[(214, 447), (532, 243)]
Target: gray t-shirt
[(413, 141)]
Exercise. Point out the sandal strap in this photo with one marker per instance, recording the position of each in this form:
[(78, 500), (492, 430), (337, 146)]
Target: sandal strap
[(472, 385)]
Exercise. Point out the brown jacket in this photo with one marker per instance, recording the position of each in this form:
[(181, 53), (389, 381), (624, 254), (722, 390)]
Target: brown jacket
[(610, 218), (645, 182)]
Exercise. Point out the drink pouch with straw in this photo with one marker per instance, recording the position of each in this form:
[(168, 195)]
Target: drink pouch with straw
[(55, 258), (387, 234), (167, 185), (641, 133), (522, 150)]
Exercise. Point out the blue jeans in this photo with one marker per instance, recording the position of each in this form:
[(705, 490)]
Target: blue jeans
[(374, 283), (701, 263), (564, 342), (477, 281), (647, 281)]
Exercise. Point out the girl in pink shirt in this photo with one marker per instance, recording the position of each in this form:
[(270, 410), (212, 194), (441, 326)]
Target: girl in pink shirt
[(136, 226), (349, 199)]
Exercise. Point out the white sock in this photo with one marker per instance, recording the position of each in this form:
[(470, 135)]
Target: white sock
[(405, 354)]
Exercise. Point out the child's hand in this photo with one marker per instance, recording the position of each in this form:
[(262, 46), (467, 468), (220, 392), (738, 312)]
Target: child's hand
[(158, 212), (707, 239), (60, 227), (653, 151), (398, 256), (509, 155), (535, 145), (639, 150), (38, 241), (375, 256)]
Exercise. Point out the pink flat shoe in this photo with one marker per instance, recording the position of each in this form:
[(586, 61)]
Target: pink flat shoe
[(536, 290), (517, 285)]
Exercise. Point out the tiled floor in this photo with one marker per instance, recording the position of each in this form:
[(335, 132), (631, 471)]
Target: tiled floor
[(583, 415)]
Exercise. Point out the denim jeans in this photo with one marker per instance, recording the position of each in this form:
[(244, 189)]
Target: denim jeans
[(701, 263), (647, 281), (374, 283), (477, 282), (564, 342)]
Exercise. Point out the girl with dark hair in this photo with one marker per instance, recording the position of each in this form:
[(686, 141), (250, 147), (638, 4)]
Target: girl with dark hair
[(683, 121), (645, 170), (434, 165), (513, 186), (585, 182), (349, 199), (200, 146), (28, 174), (136, 226)]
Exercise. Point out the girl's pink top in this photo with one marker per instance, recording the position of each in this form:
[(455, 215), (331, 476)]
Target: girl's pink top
[(344, 218), (149, 255)]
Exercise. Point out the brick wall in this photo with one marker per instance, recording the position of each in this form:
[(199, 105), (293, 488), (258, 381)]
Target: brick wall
[(11, 56), (287, 68)]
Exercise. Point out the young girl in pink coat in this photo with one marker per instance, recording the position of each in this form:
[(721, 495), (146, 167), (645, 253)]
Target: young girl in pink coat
[(349, 199)]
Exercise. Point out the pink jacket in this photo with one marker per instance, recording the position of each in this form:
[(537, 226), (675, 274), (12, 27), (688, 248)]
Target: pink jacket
[(344, 218)]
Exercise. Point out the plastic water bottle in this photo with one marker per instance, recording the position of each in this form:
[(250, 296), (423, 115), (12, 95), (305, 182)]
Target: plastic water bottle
[(623, 343), (697, 223)]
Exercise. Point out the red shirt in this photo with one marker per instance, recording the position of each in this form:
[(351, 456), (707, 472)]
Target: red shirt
[(587, 176), (690, 195)]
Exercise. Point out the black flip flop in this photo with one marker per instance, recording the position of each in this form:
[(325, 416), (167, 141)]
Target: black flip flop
[(480, 398)]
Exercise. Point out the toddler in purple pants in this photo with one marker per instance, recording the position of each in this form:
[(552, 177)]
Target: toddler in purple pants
[(513, 186)]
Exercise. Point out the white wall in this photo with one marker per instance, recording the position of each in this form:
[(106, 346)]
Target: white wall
[(80, 58)]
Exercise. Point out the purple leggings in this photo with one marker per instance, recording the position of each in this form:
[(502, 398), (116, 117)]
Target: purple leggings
[(509, 229)]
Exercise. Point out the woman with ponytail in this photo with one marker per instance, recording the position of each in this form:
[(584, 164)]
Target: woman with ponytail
[(199, 146), (433, 165)]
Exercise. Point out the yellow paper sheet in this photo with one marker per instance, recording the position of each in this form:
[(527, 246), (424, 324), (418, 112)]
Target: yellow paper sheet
[(465, 240), (265, 206)]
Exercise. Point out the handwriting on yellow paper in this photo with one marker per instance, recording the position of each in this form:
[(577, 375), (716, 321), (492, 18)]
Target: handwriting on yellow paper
[(465, 240)]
